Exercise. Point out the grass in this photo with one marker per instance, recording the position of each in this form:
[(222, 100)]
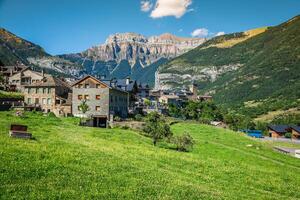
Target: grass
[(272, 114), (70, 162), (232, 42)]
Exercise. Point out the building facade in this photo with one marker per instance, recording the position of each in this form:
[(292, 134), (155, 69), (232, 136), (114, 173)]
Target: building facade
[(103, 100), (50, 95), (23, 78)]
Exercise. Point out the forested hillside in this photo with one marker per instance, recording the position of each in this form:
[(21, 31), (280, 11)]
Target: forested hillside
[(256, 71)]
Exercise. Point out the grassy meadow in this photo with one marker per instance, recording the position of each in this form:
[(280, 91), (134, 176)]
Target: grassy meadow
[(66, 161)]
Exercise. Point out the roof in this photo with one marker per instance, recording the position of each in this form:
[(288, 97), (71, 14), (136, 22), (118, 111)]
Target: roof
[(279, 128), (170, 96), (296, 128), (89, 76), (121, 84), (49, 81), (106, 83)]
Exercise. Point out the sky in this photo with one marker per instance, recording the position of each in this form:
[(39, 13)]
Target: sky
[(71, 26)]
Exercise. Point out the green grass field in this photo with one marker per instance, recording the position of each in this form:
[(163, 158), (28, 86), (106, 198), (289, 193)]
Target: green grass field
[(71, 162)]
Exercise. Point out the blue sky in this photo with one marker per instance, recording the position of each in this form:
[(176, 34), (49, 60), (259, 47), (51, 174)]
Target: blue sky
[(65, 26)]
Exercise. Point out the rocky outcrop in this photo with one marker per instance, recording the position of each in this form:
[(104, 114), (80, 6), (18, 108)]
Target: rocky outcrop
[(135, 49), (168, 80)]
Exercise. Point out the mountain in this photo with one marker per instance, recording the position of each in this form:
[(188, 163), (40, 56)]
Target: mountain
[(126, 54), (14, 49), (256, 71)]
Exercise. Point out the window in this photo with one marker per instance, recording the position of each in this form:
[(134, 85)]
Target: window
[(44, 90), (111, 99), (116, 99), (48, 101), (79, 97), (86, 97), (44, 101), (49, 90), (36, 90), (97, 108), (87, 86), (80, 85), (98, 86), (98, 97), (29, 90), (29, 100)]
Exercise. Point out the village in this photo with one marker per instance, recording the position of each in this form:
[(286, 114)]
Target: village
[(101, 101)]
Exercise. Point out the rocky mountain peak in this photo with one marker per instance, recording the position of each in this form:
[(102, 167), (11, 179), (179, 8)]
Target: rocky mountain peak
[(125, 37)]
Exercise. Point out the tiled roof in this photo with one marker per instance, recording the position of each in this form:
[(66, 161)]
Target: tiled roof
[(279, 128), (296, 128), (49, 81)]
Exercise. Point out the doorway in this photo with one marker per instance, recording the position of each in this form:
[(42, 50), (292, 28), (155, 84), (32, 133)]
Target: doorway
[(100, 121)]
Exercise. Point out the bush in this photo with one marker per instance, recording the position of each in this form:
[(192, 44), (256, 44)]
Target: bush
[(51, 114), (117, 118), (183, 142), (288, 135), (138, 117), (125, 127)]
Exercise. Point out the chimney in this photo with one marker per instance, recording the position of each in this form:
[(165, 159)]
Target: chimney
[(102, 77), (127, 80)]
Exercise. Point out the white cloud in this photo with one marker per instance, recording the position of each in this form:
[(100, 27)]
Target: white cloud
[(176, 8), (220, 33), (180, 30), (200, 32), (146, 6)]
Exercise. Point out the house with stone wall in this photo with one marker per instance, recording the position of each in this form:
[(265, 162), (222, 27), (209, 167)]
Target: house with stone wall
[(103, 99)]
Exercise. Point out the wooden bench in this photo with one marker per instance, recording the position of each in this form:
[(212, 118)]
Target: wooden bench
[(19, 131)]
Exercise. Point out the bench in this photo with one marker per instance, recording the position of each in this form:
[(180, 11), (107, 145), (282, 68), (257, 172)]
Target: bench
[(19, 131)]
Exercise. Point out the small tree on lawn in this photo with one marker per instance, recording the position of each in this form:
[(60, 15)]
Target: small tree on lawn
[(183, 142), (84, 107), (156, 127)]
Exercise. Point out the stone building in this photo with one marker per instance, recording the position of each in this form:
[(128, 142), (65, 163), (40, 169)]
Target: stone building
[(104, 101), (24, 77), (51, 94)]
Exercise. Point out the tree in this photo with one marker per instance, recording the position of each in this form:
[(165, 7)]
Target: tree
[(156, 127), (84, 107), (183, 142), (147, 102)]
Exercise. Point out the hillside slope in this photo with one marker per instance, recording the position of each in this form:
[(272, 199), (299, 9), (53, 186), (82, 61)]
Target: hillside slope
[(71, 162), (236, 68), (14, 49)]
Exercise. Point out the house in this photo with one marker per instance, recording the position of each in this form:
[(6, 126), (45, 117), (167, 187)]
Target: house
[(104, 100), (143, 91), (169, 99), (24, 77), (7, 71), (295, 132), (277, 131), (127, 85), (50, 95)]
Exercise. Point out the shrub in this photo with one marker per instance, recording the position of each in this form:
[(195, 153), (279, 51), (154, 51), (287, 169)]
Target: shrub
[(51, 114), (183, 142), (138, 117), (125, 127), (117, 118), (288, 135)]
